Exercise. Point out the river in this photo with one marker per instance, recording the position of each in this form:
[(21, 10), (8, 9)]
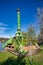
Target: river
[(1, 49)]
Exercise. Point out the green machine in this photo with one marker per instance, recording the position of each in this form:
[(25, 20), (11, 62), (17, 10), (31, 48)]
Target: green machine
[(18, 33), (7, 42)]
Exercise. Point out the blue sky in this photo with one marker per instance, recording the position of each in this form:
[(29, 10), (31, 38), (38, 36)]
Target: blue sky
[(8, 15)]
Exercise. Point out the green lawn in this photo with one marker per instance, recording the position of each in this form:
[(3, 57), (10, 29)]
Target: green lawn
[(5, 55), (37, 59)]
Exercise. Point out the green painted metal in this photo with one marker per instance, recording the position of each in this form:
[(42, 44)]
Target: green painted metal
[(18, 20), (7, 42), (18, 33)]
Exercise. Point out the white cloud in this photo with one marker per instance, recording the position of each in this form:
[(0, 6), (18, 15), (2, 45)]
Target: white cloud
[(3, 28), (2, 24), (4, 36), (2, 32), (12, 35)]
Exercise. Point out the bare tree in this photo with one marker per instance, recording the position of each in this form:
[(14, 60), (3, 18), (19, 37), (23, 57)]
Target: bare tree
[(40, 17), (31, 35)]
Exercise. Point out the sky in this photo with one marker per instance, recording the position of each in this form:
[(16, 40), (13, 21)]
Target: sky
[(8, 15)]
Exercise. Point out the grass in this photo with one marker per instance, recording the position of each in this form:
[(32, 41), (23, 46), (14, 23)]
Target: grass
[(38, 58), (9, 58), (5, 55)]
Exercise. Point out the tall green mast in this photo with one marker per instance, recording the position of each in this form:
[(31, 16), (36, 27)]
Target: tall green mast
[(18, 16), (18, 33)]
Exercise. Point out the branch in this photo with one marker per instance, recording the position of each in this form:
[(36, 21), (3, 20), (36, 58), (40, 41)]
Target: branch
[(15, 53)]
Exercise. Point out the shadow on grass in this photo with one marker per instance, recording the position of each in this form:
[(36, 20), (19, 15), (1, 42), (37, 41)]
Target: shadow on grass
[(13, 61), (19, 61)]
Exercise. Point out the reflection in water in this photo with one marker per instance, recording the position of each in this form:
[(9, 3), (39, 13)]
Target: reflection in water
[(1, 49)]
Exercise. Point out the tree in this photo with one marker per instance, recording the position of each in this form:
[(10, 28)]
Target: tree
[(24, 38), (40, 20), (31, 35)]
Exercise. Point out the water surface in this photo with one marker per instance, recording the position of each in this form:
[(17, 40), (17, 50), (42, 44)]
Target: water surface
[(1, 49)]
